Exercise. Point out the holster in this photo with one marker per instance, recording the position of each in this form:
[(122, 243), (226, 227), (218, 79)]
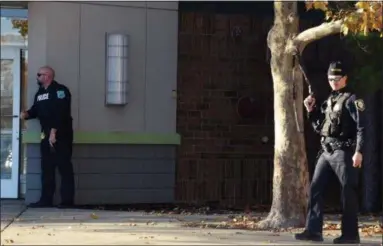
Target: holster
[(327, 147)]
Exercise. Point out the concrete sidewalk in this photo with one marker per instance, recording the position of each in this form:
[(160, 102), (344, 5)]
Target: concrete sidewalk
[(91, 227), (10, 209)]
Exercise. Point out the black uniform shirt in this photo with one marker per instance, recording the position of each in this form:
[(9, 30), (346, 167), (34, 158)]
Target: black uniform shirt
[(52, 106), (354, 107)]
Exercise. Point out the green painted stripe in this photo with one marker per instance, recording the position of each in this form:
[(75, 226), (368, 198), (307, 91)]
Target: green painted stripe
[(112, 138)]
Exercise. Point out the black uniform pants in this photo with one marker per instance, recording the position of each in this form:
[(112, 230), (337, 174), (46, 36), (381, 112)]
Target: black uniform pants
[(340, 162), (59, 156)]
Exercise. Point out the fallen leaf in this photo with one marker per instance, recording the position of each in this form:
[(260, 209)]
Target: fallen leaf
[(378, 230), (93, 216), (331, 227), (366, 234)]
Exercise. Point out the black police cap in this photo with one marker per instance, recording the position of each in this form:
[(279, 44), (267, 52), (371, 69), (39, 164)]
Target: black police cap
[(336, 68)]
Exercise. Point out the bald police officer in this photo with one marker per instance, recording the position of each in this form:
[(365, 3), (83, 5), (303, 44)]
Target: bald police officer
[(339, 121), (52, 106)]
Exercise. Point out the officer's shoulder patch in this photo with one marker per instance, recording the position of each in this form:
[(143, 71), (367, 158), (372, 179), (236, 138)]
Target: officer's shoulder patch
[(60, 94), (359, 104)]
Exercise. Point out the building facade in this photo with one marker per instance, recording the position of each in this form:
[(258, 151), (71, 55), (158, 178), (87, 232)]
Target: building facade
[(195, 72), (131, 148)]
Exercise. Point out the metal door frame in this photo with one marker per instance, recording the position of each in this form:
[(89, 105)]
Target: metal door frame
[(10, 187)]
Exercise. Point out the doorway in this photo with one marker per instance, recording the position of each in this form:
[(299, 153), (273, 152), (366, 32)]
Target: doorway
[(10, 122)]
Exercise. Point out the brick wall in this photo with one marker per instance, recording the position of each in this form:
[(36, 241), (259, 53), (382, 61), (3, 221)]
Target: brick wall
[(222, 156)]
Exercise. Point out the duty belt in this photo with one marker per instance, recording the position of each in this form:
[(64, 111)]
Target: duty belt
[(330, 144)]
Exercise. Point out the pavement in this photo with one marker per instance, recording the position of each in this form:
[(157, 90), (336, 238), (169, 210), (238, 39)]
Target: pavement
[(10, 209), (21, 226)]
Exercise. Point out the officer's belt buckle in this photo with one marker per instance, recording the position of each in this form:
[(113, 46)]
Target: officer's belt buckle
[(340, 145)]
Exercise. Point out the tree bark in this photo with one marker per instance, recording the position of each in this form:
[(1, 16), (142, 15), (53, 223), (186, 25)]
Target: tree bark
[(315, 33), (290, 181), (291, 177)]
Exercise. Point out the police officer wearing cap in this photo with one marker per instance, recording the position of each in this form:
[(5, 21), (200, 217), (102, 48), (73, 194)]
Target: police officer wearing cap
[(340, 122), (52, 106)]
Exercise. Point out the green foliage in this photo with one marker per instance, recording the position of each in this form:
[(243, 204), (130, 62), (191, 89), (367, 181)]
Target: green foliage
[(367, 75)]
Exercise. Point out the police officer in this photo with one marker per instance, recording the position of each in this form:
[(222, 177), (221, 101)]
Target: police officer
[(339, 121), (52, 106)]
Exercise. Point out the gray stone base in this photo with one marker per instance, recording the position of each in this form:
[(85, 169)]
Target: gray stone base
[(112, 174)]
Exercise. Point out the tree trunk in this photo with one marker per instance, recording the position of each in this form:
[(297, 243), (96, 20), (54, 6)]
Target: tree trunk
[(371, 173), (290, 181)]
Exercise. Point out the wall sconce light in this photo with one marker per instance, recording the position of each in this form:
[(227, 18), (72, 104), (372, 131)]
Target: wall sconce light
[(117, 69)]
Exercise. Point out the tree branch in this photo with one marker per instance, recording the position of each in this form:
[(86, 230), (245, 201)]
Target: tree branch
[(313, 34)]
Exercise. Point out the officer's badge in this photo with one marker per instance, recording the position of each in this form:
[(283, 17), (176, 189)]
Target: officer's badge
[(359, 104), (60, 94), (42, 135)]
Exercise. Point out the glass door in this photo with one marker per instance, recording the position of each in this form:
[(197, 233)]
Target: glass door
[(10, 122)]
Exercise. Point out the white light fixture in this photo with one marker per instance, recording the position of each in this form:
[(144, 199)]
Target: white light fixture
[(117, 79)]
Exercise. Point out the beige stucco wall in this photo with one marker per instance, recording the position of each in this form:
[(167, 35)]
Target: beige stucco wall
[(70, 37)]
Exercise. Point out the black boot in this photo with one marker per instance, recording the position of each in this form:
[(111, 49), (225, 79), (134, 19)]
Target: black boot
[(40, 204), (346, 240), (309, 236)]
